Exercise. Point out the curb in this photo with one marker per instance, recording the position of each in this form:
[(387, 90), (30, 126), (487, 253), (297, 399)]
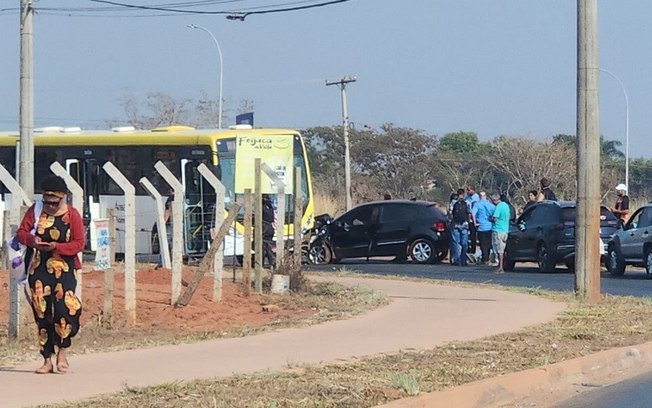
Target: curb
[(551, 383)]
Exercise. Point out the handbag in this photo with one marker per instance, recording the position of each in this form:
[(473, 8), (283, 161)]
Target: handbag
[(20, 255)]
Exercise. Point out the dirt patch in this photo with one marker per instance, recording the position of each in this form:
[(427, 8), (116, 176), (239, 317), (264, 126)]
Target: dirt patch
[(155, 316)]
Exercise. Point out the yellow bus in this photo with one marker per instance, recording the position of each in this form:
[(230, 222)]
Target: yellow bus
[(229, 153)]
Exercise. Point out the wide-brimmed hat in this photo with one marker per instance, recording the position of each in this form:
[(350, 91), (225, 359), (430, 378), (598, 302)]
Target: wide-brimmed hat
[(621, 187)]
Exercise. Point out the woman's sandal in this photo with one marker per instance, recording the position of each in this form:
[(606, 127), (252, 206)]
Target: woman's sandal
[(46, 368), (62, 364)]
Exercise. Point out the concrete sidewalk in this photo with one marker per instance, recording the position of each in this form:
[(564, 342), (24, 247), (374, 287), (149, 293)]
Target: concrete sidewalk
[(421, 315)]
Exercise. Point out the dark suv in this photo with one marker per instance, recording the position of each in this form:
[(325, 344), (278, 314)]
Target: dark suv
[(632, 245), (545, 233), (397, 228)]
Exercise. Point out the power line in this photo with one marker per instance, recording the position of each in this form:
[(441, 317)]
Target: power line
[(185, 7)]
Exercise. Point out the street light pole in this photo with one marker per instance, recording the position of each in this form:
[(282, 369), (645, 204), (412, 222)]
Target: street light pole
[(345, 124), (219, 51), (626, 124)]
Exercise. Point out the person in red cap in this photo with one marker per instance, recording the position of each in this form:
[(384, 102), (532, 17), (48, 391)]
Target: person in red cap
[(621, 208)]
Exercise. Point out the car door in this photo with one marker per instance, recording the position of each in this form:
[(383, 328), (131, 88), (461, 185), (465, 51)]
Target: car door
[(535, 229), (351, 234), (393, 229), (636, 232), (516, 238)]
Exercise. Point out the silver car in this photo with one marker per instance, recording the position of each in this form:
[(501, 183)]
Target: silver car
[(632, 244)]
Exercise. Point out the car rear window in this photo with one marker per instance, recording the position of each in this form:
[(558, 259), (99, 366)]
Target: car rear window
[(397, 212), (433, 211), (605, 214)]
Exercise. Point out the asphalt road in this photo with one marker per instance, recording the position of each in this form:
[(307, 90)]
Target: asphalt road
[(635, 282), (632, 393)]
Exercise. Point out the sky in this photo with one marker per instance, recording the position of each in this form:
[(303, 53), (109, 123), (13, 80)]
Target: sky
[(500, 67)]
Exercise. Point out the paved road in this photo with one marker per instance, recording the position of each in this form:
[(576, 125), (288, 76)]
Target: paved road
[(632, 393), (635, 282)]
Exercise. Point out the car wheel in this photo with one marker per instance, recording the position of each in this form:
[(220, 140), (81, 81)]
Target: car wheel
[(546, 264), (615, 262), (648, 261), (422, 251), (508, 262), (320, 254)]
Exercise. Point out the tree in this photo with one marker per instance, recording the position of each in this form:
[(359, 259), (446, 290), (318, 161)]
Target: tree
[(523, 162), (393, 161), (160, 110), (207, 111), (325, 147), (609, 149), (460, 142)]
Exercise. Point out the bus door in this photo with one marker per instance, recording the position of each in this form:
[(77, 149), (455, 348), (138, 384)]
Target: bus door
[(199, 208), (86, 174)]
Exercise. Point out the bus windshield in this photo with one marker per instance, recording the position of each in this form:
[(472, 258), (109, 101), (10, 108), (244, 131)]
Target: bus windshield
[(234, 165)]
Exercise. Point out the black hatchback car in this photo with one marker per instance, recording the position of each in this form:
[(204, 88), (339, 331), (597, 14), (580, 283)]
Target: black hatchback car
[(399, 228), (545, 233)]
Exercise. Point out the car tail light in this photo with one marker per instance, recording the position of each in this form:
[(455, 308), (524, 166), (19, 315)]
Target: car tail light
[(439, 226)]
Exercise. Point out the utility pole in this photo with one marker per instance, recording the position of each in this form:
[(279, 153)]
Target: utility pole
[(345, 124), (26, 165), (587, 236)]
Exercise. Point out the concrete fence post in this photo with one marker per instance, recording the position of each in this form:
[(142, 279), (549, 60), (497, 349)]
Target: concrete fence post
[(177, 228), (218, 262), (160, 222), (130, 239)]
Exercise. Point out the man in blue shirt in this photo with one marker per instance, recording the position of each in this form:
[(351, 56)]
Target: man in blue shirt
[(482, 212), (472, 198), (500, 229)]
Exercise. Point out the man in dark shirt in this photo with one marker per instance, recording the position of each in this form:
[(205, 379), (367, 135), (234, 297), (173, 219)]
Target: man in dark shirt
[(546, 193), (621, 208)]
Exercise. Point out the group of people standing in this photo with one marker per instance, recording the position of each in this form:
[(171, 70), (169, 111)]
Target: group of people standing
[(478, 218)]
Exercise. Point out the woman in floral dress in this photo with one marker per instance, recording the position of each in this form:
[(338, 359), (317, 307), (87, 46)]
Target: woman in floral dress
[(55, 233)]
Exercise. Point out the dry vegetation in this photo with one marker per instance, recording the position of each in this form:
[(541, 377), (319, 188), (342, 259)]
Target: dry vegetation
[(582, 329)]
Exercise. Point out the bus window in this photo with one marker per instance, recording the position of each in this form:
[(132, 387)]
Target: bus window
[(8, 161), (170, 158), (130, 164), (43, 158)]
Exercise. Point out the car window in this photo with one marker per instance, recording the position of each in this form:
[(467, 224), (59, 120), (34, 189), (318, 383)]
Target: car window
[(606, 214), (541, 215), (397, 212), (569, 214), (365, 215), (527, 215), (646, 218), (635, 220)]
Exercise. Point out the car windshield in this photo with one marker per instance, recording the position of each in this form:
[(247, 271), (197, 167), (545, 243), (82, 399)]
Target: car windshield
[(605, 214)]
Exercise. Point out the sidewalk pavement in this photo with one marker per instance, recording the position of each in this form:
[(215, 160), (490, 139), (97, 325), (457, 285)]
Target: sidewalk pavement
[(421, 315)]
